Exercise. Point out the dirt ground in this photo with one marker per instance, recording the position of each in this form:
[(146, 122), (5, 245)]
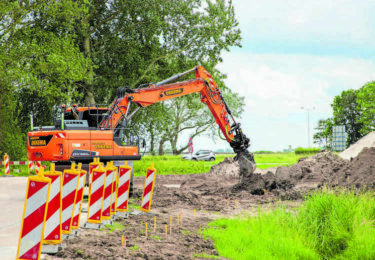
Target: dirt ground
[(213, 195)]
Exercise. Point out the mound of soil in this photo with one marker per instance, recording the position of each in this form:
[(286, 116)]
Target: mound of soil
[(226, 167), (360, 172), (324, 168), (356, 148)]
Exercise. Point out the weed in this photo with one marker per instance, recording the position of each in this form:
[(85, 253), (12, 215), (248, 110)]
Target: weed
[(185, 232), (135, 247), (205, 256), (155, 237), (114, 227)]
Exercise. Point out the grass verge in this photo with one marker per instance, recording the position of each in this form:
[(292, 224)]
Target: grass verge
[(173, 164), (329, 225), (169, 164)]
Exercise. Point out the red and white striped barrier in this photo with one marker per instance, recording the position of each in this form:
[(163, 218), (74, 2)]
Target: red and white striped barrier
[(60, 135), (34, 215), (79, 197), (148, 189), (114, 186), (69, 191), (38, 164), (107, 197), (123, 187), (52, 231), (14, 162), (6, 164), (31, 166), (95, 164), (94, 214)]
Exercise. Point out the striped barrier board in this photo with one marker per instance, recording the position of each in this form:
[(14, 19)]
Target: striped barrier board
[(69, 191), (14, 162), (107, 196), (123, 187), (95, 164), (94, 214), (79, 197), (6, 165), (38, 164), (148, 189), (30, 166), (114, 185), (52, 231), (60, 135), (33, 218)]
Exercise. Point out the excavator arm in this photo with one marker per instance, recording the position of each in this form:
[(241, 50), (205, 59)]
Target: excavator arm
[(210, 95)]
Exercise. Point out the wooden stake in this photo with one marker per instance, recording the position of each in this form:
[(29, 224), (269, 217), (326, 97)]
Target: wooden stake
[(235, 204), (195, 213), (123, 241), (155, 224), (146, 229), (178, 219)]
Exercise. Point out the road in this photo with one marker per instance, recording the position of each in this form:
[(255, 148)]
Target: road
[(12, 198)]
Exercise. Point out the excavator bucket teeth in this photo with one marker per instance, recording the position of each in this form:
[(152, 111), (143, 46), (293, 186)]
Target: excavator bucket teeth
[(247, 165)]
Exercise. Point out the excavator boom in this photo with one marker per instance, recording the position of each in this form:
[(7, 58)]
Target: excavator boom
[(210, 95)]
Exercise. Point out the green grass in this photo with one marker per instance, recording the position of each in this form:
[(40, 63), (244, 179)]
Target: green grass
[(114, 227), (329, 225), (169, 164), (304, 151)]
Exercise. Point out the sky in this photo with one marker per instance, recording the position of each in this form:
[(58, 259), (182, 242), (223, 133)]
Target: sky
[(295, 54)]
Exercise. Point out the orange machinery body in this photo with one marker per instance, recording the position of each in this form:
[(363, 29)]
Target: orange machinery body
[(77, 145), (105, 139)]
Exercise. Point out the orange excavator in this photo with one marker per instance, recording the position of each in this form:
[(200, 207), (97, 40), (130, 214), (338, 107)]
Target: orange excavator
[(82, 133)]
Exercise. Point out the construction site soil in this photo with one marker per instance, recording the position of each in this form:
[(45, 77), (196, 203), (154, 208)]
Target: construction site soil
[(218, 193)]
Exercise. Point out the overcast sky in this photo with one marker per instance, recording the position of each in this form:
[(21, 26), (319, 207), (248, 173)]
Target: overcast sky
[(296, 54)]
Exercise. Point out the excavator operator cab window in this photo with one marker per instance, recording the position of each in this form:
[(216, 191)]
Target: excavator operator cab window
[(93, 117), (126, 137)]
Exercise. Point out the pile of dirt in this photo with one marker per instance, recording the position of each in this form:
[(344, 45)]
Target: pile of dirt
[(227, 167), (356, 148), (360, 172), (324, 168)]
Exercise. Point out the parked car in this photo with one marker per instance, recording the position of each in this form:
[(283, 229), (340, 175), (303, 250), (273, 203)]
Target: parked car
[(201, 155)]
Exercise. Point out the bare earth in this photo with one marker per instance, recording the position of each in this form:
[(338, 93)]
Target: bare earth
[(213, 195)]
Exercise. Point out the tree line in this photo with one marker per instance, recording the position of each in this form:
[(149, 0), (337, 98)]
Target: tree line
[(82, 51), (355, 109)]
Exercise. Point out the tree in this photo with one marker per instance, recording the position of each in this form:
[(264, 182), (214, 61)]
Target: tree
[(34, 58), (366, 104), (346, 112), (323, 136), (82, 51)]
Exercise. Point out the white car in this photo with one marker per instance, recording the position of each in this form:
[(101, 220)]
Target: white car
[(201, 155)]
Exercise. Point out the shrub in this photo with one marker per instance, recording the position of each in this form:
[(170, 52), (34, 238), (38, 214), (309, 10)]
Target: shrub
[(311, 150)]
